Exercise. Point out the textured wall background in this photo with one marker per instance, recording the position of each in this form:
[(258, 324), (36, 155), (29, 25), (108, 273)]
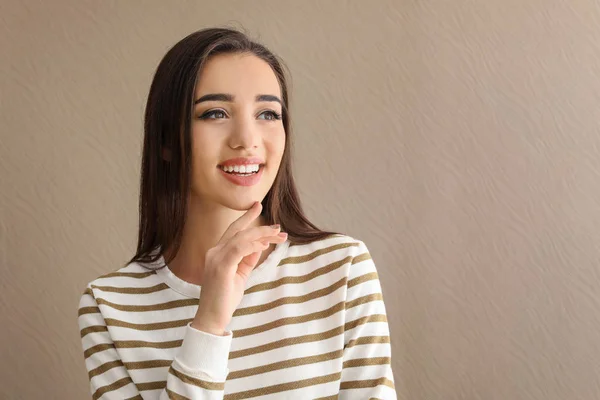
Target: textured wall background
[(458, 139)]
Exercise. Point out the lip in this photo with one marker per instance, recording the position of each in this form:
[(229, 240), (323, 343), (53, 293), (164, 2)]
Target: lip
[(242, 161), (244, 180)]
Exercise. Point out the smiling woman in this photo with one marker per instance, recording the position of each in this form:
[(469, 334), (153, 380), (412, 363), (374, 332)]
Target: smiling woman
[(232, 293)]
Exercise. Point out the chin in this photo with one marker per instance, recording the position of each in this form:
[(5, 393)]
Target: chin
[(241, 203)]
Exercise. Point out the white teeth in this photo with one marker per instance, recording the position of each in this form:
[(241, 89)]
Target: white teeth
[(241, 169)]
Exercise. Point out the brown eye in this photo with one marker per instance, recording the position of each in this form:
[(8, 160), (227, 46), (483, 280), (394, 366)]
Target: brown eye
[(213, 114), (270, 115)]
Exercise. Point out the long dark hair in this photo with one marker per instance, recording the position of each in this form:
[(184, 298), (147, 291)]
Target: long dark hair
[(165, 185)]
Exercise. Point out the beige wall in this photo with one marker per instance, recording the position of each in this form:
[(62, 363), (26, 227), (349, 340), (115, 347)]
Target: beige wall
[(458, 139)]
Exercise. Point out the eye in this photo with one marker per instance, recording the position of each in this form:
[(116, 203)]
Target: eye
[(213, 114), (270, 115)]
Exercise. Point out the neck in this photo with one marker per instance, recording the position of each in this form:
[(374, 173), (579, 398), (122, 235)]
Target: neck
[(204, 226)]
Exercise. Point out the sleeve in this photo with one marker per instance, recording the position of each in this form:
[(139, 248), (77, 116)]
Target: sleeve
[(198, 371), (367, 370)]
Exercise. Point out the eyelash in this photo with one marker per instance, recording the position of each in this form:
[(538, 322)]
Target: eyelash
[(207, 114)]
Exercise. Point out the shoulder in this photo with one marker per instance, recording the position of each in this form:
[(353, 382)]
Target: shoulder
[(132, 277), (341, 258), (338, 248)]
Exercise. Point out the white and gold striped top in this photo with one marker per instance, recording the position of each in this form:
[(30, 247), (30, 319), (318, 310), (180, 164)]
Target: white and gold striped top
[(311, 324)]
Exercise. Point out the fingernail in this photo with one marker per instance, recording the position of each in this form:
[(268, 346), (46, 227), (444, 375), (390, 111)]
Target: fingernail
[(276, 226), (282, 234)]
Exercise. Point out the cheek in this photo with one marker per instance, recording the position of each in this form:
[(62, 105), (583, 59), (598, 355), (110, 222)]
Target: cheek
[(205, 152), (276, 145)]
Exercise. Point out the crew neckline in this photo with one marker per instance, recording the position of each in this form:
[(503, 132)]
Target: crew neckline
[(192, 290)]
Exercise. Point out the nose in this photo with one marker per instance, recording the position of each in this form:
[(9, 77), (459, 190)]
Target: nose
[(245, 134)]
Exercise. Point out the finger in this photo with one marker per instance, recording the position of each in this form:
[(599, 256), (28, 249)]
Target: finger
[(242, 222), (255, 233), (248, 263), (235, 251), (279, 238)]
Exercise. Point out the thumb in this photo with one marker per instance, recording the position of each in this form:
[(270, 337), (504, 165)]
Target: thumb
[(248, 263)]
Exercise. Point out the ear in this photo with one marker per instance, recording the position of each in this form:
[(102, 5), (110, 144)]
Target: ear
[(166, 154)]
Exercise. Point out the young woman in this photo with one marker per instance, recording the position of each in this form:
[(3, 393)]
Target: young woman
[(232, 293)]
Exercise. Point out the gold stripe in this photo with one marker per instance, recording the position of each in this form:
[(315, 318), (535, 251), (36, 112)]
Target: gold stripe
[(97, 348), (304, 278), (197, 382), (285, 364), (176, 396), (369, 383), (137, 275), (303, 318), (290, 300), (363, 278), (88, 291), (104, 367), (289, 320), (136, 397), (148, 327), (113, 386), (332, 397), (361, 362), (92, 329), (299, 279), (148, 364), (152, 307), (283, 387), (314, 254), (258, 349), (367, 340), (364, 299), (314, 337), (134, 344), (151, 385), (361, 257), (364, 320), (133, 290), (251, 310), (88, 310)]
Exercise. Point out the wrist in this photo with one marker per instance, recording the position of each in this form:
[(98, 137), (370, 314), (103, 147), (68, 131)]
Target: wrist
[(208, 328)]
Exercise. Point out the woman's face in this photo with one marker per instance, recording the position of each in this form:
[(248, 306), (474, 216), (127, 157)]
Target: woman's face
[(237, 113)]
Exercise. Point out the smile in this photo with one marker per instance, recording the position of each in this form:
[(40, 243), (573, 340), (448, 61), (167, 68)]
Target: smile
[(242, 169), (242, 175)]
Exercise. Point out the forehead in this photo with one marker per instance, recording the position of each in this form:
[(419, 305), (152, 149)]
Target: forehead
[(243, 75)]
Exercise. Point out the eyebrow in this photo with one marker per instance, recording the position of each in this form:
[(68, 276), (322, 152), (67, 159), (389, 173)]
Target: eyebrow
[(230, 98)]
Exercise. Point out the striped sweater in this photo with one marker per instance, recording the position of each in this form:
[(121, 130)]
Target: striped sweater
[(311, 325)]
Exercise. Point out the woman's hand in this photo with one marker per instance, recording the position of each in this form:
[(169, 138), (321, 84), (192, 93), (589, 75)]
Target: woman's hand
[(227, 268)]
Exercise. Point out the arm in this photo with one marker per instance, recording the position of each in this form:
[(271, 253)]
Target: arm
[(367, 371), (198, 371)]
